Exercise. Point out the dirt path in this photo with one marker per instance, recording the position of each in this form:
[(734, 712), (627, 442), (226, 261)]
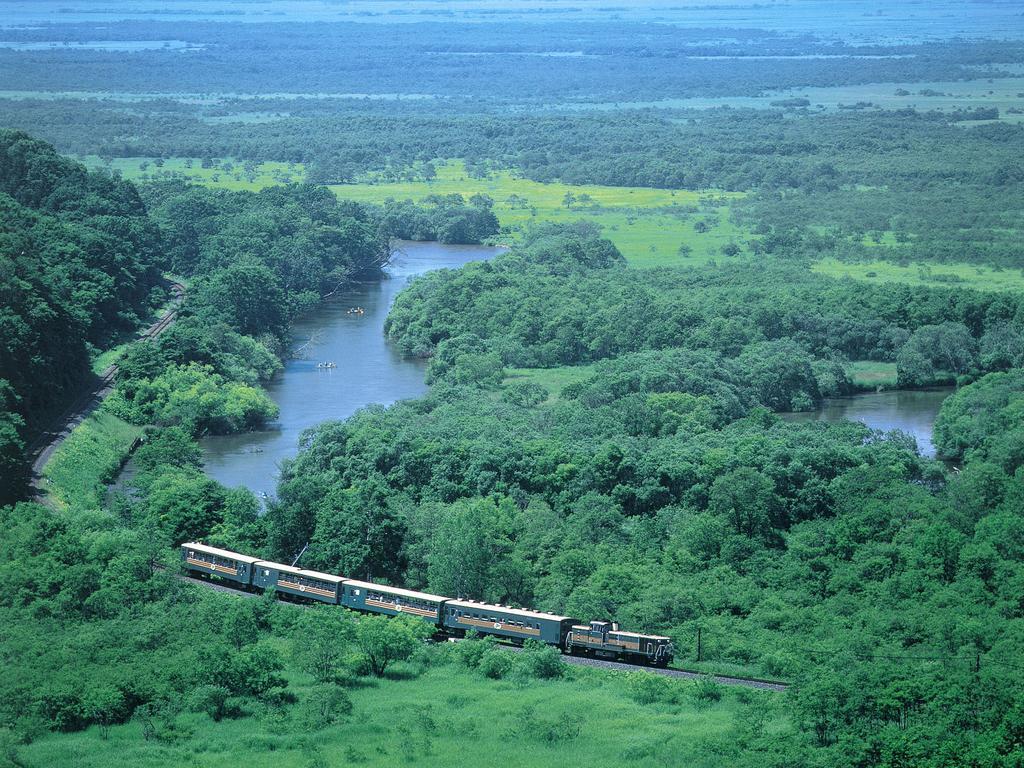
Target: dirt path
[(93, 393)]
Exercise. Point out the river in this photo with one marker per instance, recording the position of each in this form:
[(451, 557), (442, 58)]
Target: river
[(910, 411), (369, 369)]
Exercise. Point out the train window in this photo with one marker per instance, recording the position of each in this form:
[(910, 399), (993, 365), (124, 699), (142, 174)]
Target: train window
[(266, 572)]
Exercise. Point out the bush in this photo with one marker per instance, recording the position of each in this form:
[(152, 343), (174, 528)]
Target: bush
[(539, 661), (496, 663), (706, 691), (211, 700), (648, 688), (325, 705)]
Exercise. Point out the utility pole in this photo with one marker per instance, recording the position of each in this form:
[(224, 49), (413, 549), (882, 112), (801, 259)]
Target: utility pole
[(699, 649)]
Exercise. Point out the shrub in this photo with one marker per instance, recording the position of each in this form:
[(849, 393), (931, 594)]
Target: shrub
[(706, 690), (325, 705), (496, 663), (648, 688), (539, 661)]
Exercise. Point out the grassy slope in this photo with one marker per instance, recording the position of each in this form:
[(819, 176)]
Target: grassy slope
[(869, 374), (448, 716), (86, 462)]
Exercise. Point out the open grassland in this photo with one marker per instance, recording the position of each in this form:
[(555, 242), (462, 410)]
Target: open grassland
[(1003, 93), (870, 374), (966, 275), (554, 380), (81, 468), (447, 716), (222, 173), (652, 227), (648, 225)]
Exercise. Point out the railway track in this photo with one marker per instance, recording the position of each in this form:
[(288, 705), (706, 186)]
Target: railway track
[(583, 661), (42, 448)]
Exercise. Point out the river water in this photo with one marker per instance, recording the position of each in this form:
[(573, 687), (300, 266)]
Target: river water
[(369, 369), (912, 412)]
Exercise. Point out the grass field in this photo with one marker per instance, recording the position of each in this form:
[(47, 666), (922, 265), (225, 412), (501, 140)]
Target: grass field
[(447, 716), (1004, 93), (552, 379), (871, 375), (648, 225), (966, 275), (80, 469), (223, 173)]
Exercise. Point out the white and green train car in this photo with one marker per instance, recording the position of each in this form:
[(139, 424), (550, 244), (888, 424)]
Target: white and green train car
[(205, 560), (297, 582), (392, 601), (517, 624)]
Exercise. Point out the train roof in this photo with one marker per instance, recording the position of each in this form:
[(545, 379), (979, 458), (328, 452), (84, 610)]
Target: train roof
[(301, 571), (638, 635), (410, 593), (505, 609), (219, 552), (621, 632)]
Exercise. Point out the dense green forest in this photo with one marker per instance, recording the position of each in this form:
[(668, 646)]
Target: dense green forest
[(599, 436), (78, 256)]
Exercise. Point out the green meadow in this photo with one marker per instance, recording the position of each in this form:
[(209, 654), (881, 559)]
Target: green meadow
[(980, 277), (648, 225), (871, 374), (652, 227), (223, 173), (554, 380), (446, 716)]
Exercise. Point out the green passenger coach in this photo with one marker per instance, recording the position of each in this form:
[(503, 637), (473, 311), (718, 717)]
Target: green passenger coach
[(297, 582), (211, 561), (391, 601), (499, 620)]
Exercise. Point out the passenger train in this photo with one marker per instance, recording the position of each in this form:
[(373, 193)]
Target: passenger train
[(451, 617)]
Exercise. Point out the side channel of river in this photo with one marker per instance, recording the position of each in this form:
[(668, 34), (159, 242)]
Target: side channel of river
[(369, 370)]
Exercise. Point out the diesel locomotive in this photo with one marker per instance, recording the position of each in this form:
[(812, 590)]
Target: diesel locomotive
[(450, 616)]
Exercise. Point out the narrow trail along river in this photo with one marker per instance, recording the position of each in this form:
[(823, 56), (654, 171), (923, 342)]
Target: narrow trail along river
[(369, 370)]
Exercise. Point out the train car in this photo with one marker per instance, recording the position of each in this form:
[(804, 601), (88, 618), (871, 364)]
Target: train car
[(204, 560), (605, 639), (391, 601), (298, 582), (501, 621)]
